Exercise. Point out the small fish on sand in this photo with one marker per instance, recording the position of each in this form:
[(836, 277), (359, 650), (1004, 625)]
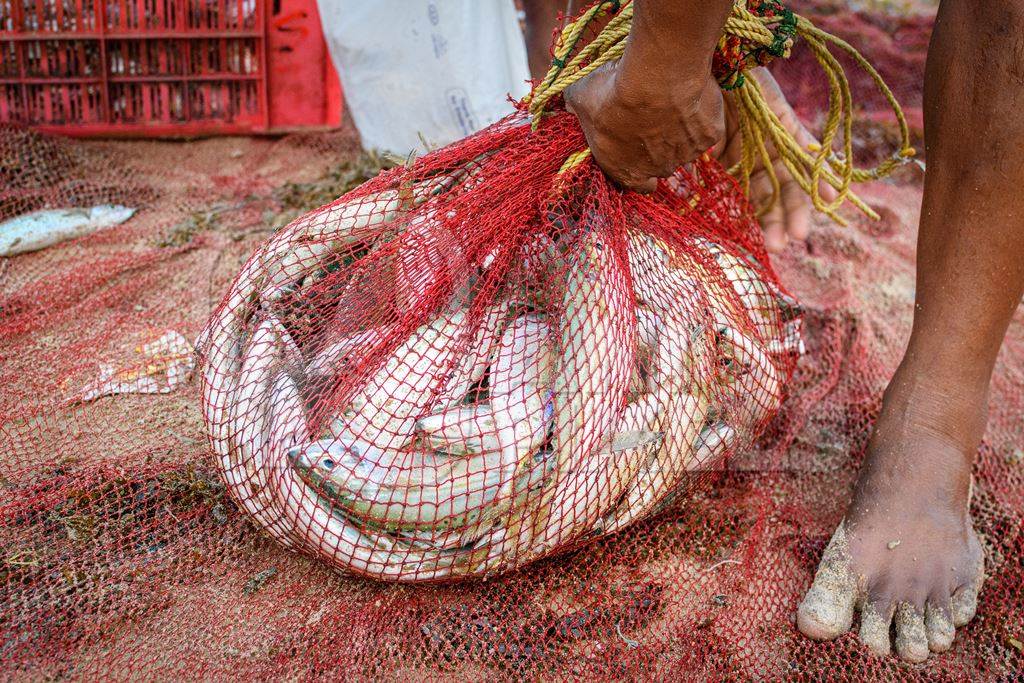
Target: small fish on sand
[(41, 229)]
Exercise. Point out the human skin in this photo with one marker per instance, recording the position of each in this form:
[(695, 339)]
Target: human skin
[(659, 104), (906, 554), (541, 23)]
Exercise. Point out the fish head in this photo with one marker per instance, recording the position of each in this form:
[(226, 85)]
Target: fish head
[(320, 463), (734, 360), (715, 441), (115, 213), (790, 308)]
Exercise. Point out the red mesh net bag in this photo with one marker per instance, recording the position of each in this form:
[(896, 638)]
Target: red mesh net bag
[(492, 354), (471, 362)]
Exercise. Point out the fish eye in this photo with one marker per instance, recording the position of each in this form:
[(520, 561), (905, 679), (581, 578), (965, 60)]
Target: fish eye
[(327, 464)]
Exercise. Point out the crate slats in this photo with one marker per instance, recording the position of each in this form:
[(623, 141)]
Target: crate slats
[(160, 67)]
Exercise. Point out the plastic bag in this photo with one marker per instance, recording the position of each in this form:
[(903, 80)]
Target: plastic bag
[(419, 74)]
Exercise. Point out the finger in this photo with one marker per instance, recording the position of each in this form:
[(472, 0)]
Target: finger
[(628, 177), (797, 208), (826, 612), (938, 625), (791, 122), (911, 638), (827, 192), (804, 138), (729, 148), (569, 96), (773, 224), (875, 618), (585, 93)]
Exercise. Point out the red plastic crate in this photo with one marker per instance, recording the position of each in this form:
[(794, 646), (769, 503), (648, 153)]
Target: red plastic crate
[(165, 67)]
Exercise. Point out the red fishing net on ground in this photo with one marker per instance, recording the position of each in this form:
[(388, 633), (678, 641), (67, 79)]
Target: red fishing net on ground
[(123, 555)]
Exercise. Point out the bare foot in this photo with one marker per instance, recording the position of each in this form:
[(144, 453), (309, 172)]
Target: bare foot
[(906, 555)]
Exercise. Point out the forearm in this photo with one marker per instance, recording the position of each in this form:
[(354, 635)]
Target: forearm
[(671, 43), (541, 22), (971, 242)]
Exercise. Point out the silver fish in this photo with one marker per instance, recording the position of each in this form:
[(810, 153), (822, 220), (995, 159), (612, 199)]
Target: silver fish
[(477, 541), (301, 247), (713, 443), (682, 273), (753, 377), (46, 227), (661, 474), (326, 532), (461, 430), (607, 474), (597, 346), (427, 254), (248, 479), (664, 292), (364, 474), (682, 357), (510, 544), (767, 306), (403, 490), (307, 242), (643, 379), (524, 356), (475, 360), (517, 440), (791, 342), (221, 344), (521, 407), (522, 366), (337, 356), (290, 271), (384, 412), (517, 421)]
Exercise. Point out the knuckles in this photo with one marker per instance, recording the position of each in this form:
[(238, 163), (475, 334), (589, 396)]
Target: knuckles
[(635, 143)]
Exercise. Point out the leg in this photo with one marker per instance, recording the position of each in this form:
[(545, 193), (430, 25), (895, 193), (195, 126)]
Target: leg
[(906, 551), (541, 22)]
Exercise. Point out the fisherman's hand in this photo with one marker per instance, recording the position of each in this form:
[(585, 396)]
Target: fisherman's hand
[(637, 133), (790, 218)]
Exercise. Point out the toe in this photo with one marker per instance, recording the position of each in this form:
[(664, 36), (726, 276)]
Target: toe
[(938, 626), (964, 604), (875, 619), (911, 639), (826, 611), (965, 599)]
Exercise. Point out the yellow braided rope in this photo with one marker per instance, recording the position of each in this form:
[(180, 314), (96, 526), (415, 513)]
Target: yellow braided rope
[(575, 160), (608, 46), (759, 126)]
